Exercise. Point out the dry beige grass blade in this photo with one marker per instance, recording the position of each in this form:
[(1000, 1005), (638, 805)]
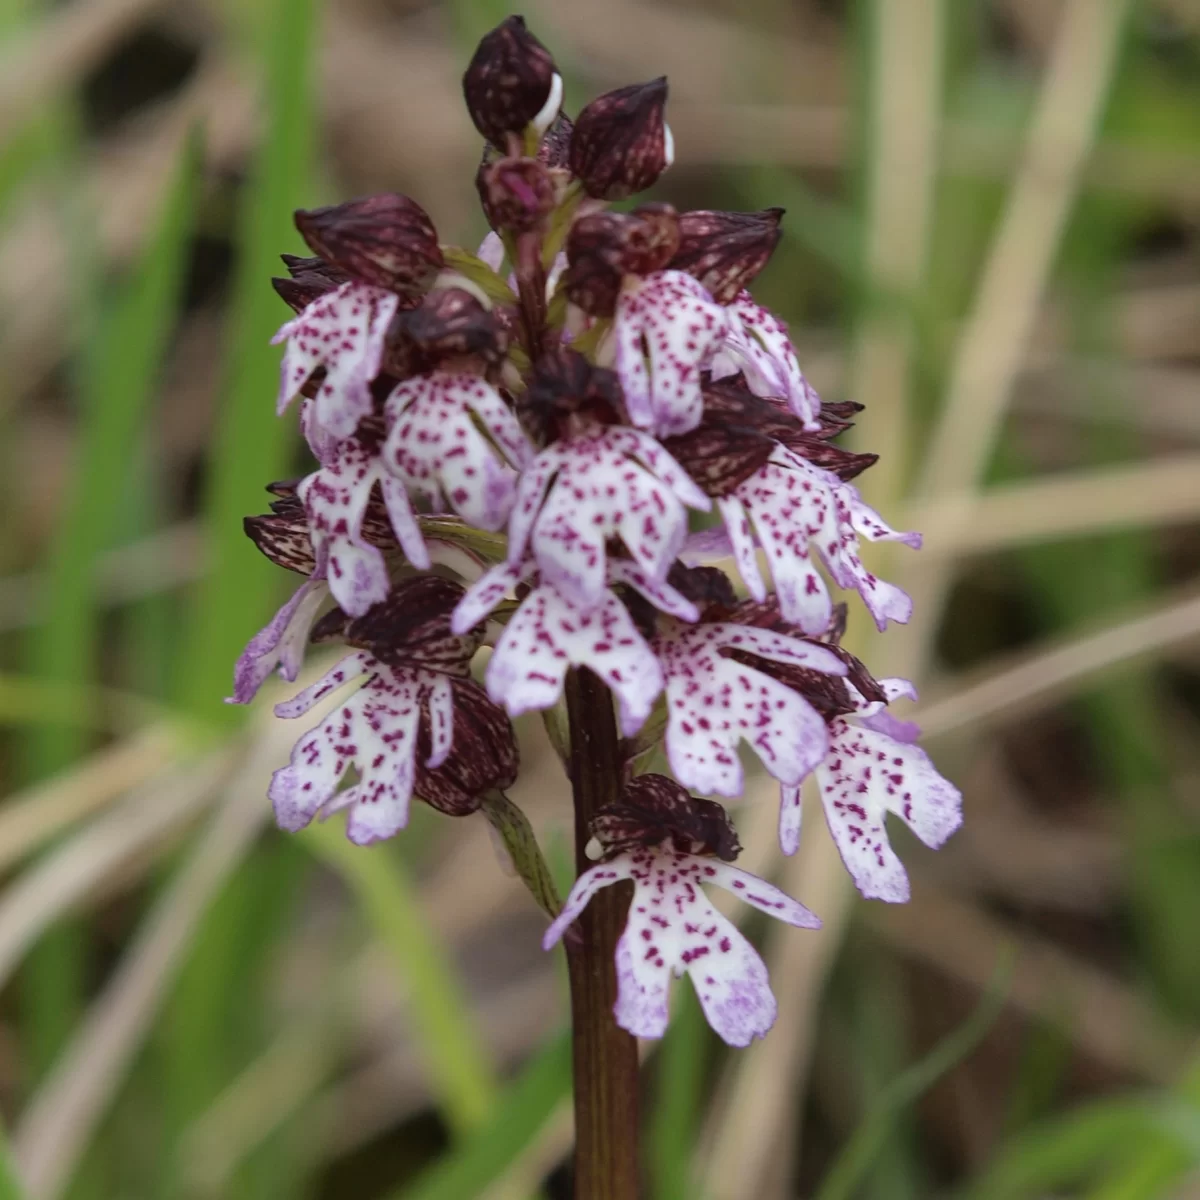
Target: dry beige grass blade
[(29, 819), (745, 1152), (1154, 493), (701, 52), (41, 895), (1000, 324), (819, 135), (1105, 1018), (1046, 675), (56, 1127), (59, 51)]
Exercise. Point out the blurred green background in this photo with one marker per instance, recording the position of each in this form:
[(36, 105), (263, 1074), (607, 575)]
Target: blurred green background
[(993, 241)]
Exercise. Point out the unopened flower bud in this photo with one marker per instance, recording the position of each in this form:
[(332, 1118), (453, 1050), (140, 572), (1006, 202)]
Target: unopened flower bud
[(516, 193), (387, 241), (511, 83), (603, 247), (654, 810), (410, 628), (310, 279), (484, 755), (564, 384), (726, 250), (448, 323), (621, 143)]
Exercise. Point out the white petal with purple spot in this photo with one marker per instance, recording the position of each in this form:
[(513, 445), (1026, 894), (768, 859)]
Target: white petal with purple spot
[(281, 644), (601, 490), (335, 499), (666, 329), (435, 448), (796, 508), (342, 331), (673, 928), (867, 775), (374, 731), (548, 634), (758, 343), (714, 702)]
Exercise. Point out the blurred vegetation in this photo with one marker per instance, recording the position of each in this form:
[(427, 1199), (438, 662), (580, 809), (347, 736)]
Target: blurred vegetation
[(993, 242)]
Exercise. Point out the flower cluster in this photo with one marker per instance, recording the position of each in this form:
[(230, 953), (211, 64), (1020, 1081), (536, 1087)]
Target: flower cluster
[(514, 448)]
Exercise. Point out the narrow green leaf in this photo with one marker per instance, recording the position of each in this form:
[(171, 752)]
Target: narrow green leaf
[(10, 1183), (523, 1110), (129, 333), (1084, 1142), (678, 1101), (252, 446), (513, 828), (852, 1165), (454, 1052), (117, 386)]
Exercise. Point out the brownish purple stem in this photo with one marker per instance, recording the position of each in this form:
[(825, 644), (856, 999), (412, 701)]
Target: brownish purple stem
[(605, 1056)]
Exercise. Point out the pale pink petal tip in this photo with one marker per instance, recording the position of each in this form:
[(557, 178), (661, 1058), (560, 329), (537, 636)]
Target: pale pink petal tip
[(374, 732), (868, 774), (280, 645)]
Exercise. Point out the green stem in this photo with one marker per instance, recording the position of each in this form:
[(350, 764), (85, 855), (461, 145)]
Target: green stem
[(605, 1056)]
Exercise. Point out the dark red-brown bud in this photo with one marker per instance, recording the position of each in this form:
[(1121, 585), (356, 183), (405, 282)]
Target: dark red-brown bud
[(726, 250), (509, 81), (730, 403), (565, 384), (828, 694), (411, 628), (310, 279), (484, 754), (656, 811), (719, 455), (448, 323), (387, 241), (602, 247), (282, 535), (621, 143), (707, 587), (516, 193)]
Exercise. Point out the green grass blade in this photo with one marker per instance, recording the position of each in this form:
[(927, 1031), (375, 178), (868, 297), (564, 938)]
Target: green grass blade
[(1155, 1169), (252, 446), (523, 1110), (1081, 1143), (454, 1053), (854, 1162), (10, 1183), (678, 1100), (117, 385)]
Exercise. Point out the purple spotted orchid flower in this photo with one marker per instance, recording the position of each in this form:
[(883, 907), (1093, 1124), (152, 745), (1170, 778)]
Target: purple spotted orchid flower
[(872, 769), (670, 846), (514, 452), (399, 725)]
